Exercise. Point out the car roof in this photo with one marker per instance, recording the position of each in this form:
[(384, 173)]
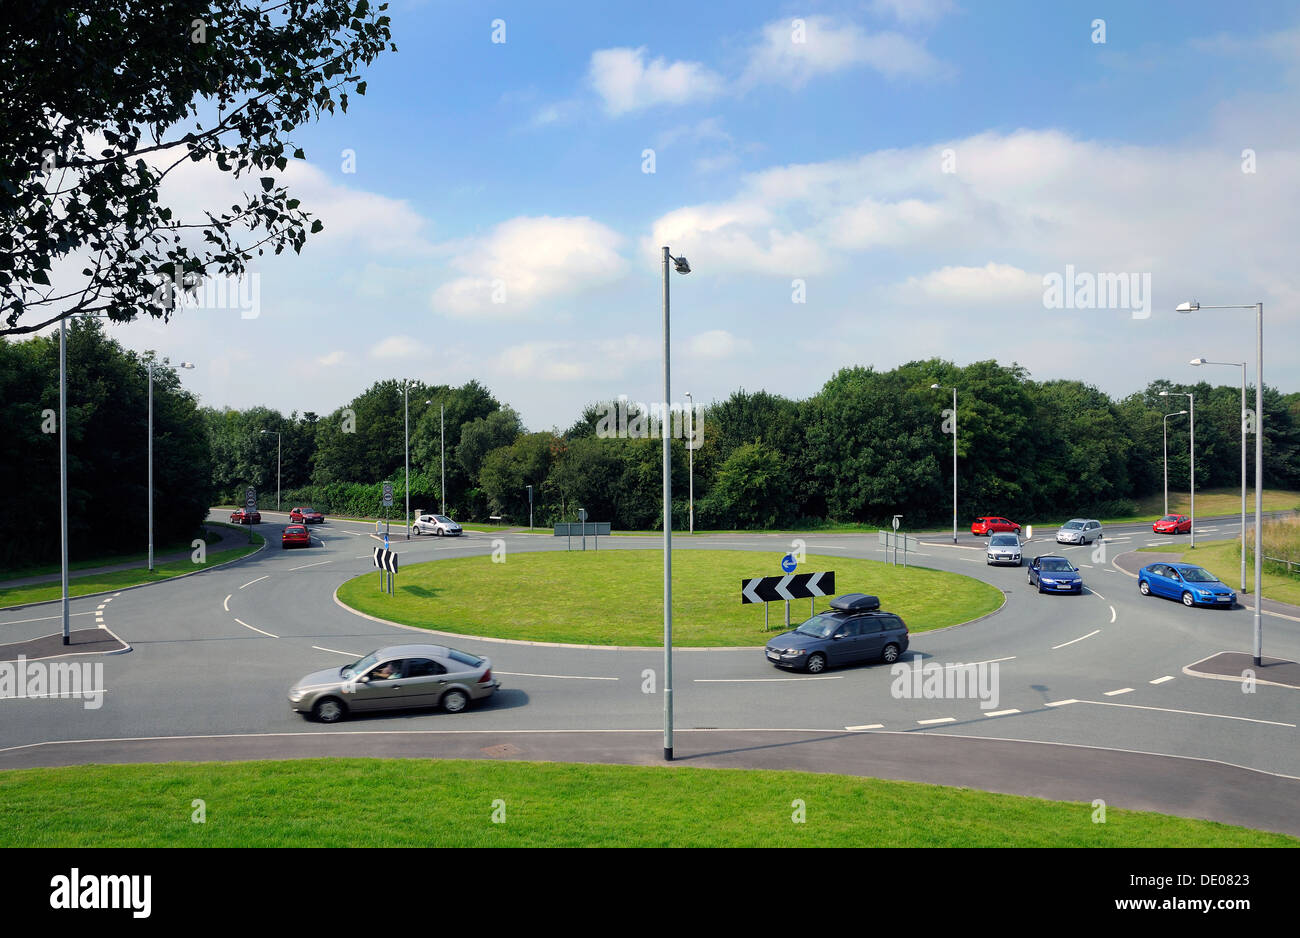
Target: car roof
[(405, 651), (1053, 557)]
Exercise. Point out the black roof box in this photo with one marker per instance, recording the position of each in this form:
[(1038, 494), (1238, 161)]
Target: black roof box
[(855, 602)]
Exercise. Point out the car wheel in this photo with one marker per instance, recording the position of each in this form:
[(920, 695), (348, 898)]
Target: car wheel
[(329, 710), (1144, 588), (816, 663), (890, 654), (438, 531), (1188, 600), (454, 701)]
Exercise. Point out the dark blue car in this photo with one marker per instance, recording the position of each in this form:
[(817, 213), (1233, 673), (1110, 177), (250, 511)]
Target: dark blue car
[(854, 629), (1193, 585), (1054, 575)]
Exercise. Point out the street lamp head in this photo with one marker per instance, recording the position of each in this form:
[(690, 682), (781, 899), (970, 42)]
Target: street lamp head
[(680, 264), (935, 387), (1164, 393), (1199, 361), (187, 364), (1188, 307)]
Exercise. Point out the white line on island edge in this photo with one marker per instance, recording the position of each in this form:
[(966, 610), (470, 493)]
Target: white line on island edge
[(336, 651), (1079, 639), (1194, 713), (258, 580)]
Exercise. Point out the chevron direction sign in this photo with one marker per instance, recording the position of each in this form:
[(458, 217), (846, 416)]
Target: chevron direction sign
[(770, 589), (385, 559)]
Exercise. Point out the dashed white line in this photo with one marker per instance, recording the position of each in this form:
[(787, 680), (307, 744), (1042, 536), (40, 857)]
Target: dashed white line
[(258, 580), (1079, 639), (306, 565), (43, 618), (1162, 680), (226, 603), (866, 726), (762, 680), (1116, 693), (1060, 703), (939, 720), (336, 651), (1112, 615), (563, 677), (1001, 713), (255, 628)]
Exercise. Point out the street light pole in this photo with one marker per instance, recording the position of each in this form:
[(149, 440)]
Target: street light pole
[(1165, 437), (690, 452), (150, 465), (682, 267), (442, 434), (406, 437), (939, 387), (1259, 462), (63, 466), (1242, 366)]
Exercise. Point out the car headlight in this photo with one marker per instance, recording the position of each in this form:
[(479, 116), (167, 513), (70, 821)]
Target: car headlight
[(296, 694), (1049, 582), (795, 651), (1203, 592)]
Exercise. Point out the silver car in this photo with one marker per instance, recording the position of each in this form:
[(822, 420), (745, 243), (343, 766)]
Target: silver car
[(1079, 531), (440, 525), (1004, 548), (396, 678)]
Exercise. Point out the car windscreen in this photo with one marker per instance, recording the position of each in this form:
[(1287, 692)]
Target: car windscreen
[(1073, 526), (1197, 575), (1003, 540), (359, 667), (1056, 565), (1169, 518), (820, 626)]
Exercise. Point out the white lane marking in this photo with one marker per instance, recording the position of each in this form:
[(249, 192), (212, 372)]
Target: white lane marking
[(1155, 543), (258, 580), (255, 628), (762, 680), (43, 618), (867, 726), (939, 720), (1112, 615), (306, 565), (1086, 566), (336, 651), (226, 603), (81, 695), (1001, 713), (1079, 639), (972, 663), (563, 677), (1060, 703), (1095, 593), (1194, 713), (1107, 570), (1116, 693), (1162, 680), (107, 601)]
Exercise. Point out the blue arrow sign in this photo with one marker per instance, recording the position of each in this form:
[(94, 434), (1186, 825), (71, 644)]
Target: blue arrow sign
[(787, 563), (385, 542)]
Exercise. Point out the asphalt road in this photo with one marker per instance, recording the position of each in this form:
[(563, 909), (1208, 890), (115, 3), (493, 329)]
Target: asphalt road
[(1092, 702)]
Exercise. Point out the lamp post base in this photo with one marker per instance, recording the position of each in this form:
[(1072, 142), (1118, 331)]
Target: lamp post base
[(668, 753)]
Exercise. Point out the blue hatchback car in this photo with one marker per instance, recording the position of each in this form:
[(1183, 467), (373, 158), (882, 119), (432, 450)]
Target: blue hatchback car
[(854, 629), (1193, 585)]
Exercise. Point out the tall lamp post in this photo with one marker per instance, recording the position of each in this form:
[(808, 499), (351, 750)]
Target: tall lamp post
[(938, 387), (406, 436), (442, 435), (682, 267), (1165, 437), (1242, 365), (690, 453), (1259, 459), (277, 467), (1191, 452), (151, 363)]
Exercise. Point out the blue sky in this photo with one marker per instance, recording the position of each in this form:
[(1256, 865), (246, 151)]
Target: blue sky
[(499, 224)]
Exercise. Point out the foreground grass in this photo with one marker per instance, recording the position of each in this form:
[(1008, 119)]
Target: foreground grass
[(1223, 559), (103, 582), (615, 597), (434, 803)]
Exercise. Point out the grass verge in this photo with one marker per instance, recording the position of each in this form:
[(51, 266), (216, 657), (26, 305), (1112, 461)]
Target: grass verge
[(121, 579), (615, 597), (437, 803), (1223, 559)]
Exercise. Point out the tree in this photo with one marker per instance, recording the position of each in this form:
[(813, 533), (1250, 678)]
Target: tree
[(102, 101)]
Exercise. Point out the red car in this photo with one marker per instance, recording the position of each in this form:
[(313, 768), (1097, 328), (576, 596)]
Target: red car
[(295, 535), (1173, 524), (240, 516), (306, 516), (991, 525)]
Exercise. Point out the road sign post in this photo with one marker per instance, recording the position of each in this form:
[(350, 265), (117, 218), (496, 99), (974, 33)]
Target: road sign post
[(582, 516), (250, 506)]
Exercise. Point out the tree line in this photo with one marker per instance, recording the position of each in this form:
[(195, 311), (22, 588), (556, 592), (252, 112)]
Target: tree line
[(868, 445)]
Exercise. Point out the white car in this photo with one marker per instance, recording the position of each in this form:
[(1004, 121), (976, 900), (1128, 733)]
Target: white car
[(1004, 548), (1079, 531), (440, 525)]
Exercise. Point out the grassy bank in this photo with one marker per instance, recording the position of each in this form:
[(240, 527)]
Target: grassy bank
[(615, 597), (434, 803)]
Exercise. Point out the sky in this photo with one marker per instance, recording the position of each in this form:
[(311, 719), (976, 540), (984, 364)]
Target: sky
[(854, 183)]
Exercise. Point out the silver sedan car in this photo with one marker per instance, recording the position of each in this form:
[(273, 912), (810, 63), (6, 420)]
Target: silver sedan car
[(1079, 531), (395, 678)]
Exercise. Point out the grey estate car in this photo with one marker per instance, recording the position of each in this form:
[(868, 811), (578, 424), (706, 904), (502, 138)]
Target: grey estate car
[(854, 629), (393, 678)]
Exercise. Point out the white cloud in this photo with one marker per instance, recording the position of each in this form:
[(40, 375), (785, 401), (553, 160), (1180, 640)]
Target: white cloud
[(788, 55), (912, 11), (524, 261), (398, 347), (717, 344), (331, 358), (600, 359), (626, 82), (991, 282)]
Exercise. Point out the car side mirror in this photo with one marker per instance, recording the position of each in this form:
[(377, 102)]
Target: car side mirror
[(1075, 569), (837, 636)]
